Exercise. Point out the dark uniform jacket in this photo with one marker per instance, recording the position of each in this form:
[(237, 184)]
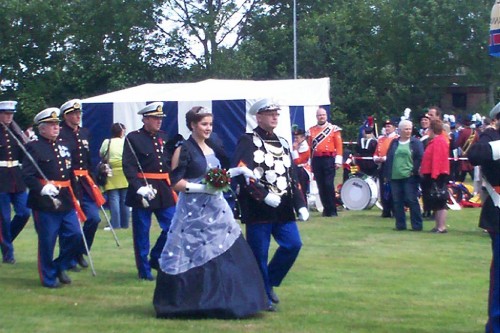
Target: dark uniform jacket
[(480, 153), (10, 152), (153, 155), (251, 197), (366, 148), (54, 159), (78, 143)]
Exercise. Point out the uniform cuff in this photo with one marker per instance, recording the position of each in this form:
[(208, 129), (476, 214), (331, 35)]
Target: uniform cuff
[(338, 159), (495, 149), (295, 154)]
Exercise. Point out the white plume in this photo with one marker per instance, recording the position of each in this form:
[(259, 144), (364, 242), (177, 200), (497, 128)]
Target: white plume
[(407, 113)]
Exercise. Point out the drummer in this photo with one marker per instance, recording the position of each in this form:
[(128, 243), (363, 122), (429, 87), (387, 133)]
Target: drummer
[(365, 149)]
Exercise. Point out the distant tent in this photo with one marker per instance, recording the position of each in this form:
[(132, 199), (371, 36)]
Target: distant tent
[(228, 99), (495, 30)]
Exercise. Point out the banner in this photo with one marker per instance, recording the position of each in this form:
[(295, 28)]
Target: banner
[(495, 30)]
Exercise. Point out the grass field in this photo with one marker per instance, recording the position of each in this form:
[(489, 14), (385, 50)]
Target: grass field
[(354, 274)]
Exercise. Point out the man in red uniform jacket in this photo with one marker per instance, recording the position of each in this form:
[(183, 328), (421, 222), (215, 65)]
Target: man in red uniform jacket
[(325, 141)]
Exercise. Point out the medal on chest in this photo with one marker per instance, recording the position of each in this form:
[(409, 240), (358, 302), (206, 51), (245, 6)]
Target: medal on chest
[(273, 165)]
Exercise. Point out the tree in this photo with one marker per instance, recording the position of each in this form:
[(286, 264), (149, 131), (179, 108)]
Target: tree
[(203, 29), (53, 51), (381, 55)]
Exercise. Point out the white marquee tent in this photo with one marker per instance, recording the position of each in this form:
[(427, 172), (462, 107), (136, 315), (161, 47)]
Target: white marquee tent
[(228, 99)]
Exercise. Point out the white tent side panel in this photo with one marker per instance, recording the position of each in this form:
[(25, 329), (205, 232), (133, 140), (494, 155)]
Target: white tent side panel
[(228, 99)]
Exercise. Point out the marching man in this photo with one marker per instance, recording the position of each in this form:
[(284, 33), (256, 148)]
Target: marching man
[(146, 166), (486, 153), (12, 187), (90, 196), (268, 206), (49, 175)]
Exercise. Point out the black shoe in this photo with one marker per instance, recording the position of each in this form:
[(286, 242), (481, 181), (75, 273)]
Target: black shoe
[(10, 261), (385, 215), (81, 261), (274, 298), (271, 307), (53, 286), (63, 277), (147, 278), (75, 269)]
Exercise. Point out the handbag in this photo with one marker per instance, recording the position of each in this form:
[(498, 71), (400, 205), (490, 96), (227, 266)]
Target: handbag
[(103, 169), (439, 193)]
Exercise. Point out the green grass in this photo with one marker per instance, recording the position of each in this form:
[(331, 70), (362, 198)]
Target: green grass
[(354, 274)]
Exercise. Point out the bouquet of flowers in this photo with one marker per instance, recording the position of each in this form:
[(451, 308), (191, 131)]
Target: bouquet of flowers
[(218, 179)]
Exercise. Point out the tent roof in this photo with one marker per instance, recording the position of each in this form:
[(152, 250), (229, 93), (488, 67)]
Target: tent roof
[(286, 92)]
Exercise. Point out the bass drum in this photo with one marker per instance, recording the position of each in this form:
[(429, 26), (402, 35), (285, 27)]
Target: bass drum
[(359, 193)]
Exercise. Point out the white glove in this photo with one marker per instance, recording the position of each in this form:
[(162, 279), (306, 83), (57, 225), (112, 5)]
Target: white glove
[(49, 189), (146, 192), (200, 188), (272, 200), (245, 171), (303, 214)]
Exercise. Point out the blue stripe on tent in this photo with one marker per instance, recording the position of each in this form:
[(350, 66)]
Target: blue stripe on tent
[(98, 118), (229, 122), (297, 117), (170, 122)]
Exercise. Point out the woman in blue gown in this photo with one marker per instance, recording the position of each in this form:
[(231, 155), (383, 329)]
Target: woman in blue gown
[(206, 268)]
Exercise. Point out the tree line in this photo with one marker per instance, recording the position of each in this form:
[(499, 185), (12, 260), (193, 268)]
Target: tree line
[(380, 55)]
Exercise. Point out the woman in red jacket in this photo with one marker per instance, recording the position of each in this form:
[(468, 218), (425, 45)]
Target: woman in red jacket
[(435, 168)]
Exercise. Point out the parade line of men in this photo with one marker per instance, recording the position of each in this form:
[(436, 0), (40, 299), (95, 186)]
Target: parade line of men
[(65, 201)]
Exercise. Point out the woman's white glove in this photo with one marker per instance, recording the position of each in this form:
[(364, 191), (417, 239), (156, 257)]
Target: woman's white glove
[(245, 171), (147, 192), (272, 200), (200, 188), (303, 214), (49, 189)]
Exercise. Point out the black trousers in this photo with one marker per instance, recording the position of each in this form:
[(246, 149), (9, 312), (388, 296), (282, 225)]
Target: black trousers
[(385, 194), (324, 172)]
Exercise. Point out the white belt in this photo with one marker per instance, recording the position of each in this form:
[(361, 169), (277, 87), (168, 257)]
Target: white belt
[(9, 164), (495, 197)]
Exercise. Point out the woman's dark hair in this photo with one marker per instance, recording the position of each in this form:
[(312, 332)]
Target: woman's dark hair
[(195, 115), (436, 126), (117, 129)]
